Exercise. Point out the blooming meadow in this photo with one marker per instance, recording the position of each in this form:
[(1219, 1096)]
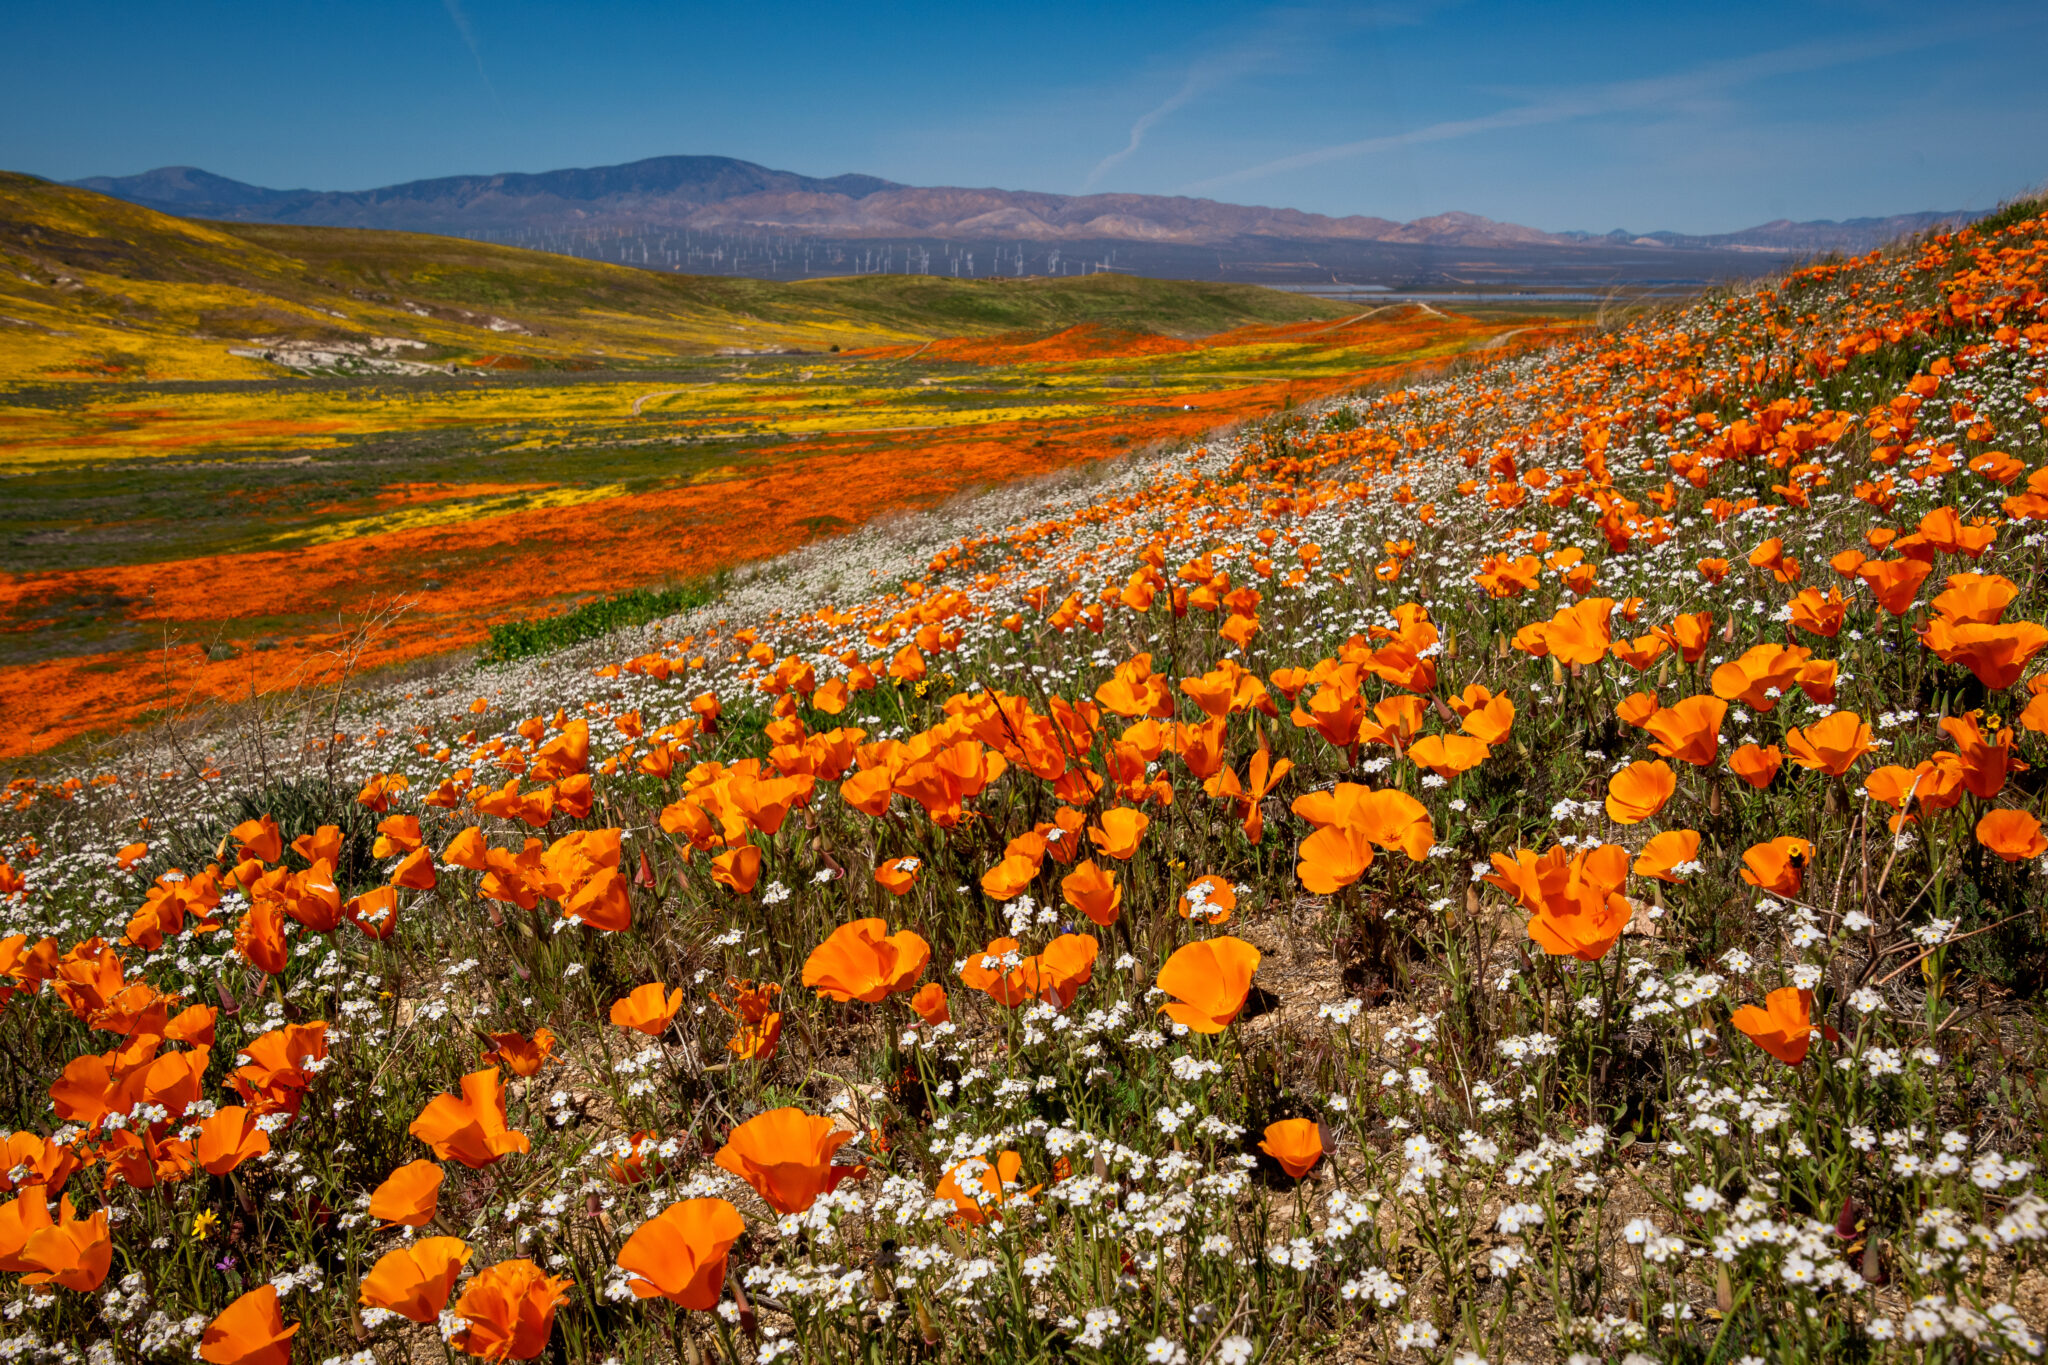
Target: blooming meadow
[(227, 542), (1544, 864)]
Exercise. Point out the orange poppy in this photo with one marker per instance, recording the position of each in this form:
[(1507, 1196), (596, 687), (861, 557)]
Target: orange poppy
[(1690, 634), (1894, 582), (1779, 866), (1581, 633), (1289, 682), (1831, 745), (1636, 708), (1574, 901), (1944, 530), (74, 1253), (1333, 712), (519, 1054), (396, 834), (409, 1197), (227, 1138), (1297, 1144), (277, 1074), (898, 875), (1008, 878), (786, 1155), (1666, 853), (249, 1331), (312, 898), (1332, 858), (323, 844), (260, 839), (1121, 831), (259, 937), (1395, 722), (1817, 679), (514, 877), (375, 912), (1061, 835), (1783, 1027), (1977, 599), (1208, 900), (680, 1254), (760, 1023), (21, 1219), (1448, 755), (1208, 981), (864, 961), (1639, 791), (979, 1187), (1490, 722), (41, 1161), (647, 1009), (1389, 818), (1094, 892), (1983, 759), (1640, 652), (1054, 975), (2013, 835), (1135, 690), (1761, 676), (580, 872), (929, 1003), (508, 1311), (1820, 615), (738, 868), (1689, 731), (636, 1161), (1997, 655), (1756, 766), (465, 850), (1913, 791), (470, 1129), (414, 1281)]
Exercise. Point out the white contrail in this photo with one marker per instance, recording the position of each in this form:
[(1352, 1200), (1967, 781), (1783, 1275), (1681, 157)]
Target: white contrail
[(1280, 35), (1188, 90), (454, 8)]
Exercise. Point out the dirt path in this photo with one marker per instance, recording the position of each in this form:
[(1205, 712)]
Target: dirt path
[(656, 397)]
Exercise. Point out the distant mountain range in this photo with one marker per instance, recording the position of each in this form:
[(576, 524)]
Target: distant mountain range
[(719, 194)]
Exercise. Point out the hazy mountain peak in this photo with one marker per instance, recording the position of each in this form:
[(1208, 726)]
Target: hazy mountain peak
[(724, 194)]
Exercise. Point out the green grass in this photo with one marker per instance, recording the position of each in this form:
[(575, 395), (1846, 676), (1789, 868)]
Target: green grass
[(478, 274), (546, 634)]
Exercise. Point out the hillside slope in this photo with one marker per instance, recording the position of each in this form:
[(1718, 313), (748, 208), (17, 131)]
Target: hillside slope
[(1544, 863), (94, 287)]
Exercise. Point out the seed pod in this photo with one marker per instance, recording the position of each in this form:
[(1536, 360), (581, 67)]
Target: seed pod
[(1873, 1268)]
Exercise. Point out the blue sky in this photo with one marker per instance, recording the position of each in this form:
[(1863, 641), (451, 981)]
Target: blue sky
[(1699, 117)]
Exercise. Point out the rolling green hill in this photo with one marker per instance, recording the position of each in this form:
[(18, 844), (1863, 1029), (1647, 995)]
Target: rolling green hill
[(93, 287)]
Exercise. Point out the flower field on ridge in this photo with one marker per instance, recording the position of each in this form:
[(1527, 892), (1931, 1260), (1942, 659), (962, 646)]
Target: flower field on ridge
[(224, 542), (1541, 864)]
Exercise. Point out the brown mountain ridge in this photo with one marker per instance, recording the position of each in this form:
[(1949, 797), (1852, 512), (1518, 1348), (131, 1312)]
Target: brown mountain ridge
[(720, 194)]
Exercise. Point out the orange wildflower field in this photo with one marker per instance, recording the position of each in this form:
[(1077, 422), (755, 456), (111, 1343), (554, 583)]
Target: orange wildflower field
[(1541, 860), (796, 449)]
